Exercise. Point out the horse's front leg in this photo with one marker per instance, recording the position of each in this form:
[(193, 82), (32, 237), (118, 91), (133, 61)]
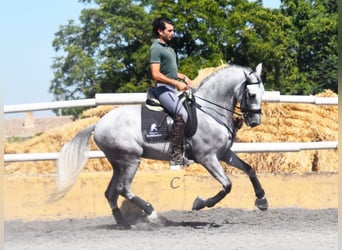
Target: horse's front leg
[(216, 170), (234, 160)]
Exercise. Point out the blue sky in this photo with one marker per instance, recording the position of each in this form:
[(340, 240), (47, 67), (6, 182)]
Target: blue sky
[(26, 52)]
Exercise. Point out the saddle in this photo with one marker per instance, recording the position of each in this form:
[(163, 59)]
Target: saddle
[(157, 122)]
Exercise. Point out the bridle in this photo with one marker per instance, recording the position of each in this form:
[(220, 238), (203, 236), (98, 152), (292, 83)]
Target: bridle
[(244, 107)]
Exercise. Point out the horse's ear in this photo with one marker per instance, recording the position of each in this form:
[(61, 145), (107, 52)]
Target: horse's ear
[(258, 69)]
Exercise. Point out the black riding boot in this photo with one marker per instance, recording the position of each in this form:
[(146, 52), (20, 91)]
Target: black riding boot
[(177, 157)]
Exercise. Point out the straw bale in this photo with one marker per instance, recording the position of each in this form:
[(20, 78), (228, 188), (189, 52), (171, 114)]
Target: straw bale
[(49, 142), (294, 123), (98, 111)]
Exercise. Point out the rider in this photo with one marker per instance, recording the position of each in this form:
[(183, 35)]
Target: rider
[(164, 70)]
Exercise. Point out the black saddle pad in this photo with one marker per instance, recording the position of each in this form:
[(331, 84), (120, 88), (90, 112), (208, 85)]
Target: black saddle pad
[(155, 125)]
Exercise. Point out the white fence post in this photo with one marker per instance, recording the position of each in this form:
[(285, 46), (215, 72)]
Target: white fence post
[(29, 120)]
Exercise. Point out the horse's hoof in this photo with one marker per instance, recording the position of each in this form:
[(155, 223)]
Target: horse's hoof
[(153, 218), (261, 203), (198, 204)]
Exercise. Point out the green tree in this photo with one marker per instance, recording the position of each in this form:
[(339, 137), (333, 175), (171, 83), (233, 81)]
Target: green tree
[(108, 50), (258, 35), (314, 24)]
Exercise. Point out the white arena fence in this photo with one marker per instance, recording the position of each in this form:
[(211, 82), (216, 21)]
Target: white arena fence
[(138, 98)]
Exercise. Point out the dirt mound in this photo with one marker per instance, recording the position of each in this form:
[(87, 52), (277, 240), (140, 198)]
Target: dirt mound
[(281, 123)]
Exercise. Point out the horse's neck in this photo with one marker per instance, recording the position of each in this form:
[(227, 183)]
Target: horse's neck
[(221, 89)]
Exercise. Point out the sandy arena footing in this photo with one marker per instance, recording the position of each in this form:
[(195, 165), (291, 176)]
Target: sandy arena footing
[(24, 196)]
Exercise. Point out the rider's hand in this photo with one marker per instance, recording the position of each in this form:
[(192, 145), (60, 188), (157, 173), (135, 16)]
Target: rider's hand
[(182, 86)]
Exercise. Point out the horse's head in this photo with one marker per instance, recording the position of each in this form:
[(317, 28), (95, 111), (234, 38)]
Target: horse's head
[(253, 90)]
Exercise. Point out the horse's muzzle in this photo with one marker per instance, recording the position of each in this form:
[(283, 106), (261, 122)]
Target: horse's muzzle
[(252, 119)]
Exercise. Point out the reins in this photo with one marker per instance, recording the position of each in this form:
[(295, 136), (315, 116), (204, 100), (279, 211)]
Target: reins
[(224, 108), (216, 119), (219, 106)]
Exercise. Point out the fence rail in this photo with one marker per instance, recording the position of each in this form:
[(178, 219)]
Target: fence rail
[(256, 147), (138, 98)]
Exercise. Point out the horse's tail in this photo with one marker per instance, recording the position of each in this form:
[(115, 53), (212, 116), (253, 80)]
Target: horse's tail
[(71, 160)]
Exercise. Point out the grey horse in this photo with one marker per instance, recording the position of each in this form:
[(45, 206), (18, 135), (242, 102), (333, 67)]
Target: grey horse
[(118, 134)]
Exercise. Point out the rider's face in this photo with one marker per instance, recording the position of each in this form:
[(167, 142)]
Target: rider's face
[(166, 35)]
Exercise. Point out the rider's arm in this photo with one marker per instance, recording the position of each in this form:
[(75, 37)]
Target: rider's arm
[(160, 77)]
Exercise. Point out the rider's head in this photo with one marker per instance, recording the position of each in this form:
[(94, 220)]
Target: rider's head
[(160, 24)]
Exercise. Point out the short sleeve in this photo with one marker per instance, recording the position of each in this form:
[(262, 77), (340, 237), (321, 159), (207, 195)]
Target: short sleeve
[(154, 55)]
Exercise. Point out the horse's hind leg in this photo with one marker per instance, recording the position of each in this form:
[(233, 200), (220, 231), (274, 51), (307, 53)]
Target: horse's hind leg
[(261, 201), (112, 197), (121, 185)]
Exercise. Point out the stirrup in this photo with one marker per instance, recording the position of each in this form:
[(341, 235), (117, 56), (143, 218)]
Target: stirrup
[(176, 165)]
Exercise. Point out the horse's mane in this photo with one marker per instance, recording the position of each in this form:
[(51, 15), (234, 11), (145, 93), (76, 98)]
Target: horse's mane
[(216, 71), (206, 73)]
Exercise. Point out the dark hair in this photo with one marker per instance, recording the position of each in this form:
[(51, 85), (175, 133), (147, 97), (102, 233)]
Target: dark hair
[(159, 23)]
